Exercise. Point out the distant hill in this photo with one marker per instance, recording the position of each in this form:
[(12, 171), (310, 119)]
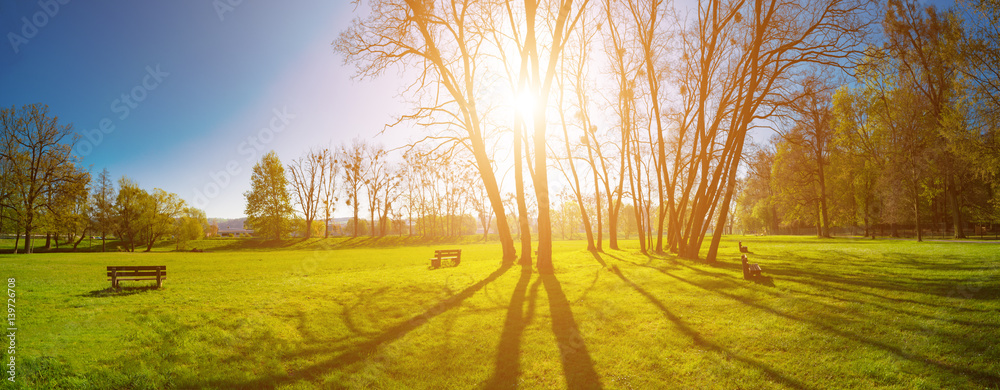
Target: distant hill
[(226, 223)]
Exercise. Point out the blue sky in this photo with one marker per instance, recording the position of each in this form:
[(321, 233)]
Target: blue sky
[(187, 95)]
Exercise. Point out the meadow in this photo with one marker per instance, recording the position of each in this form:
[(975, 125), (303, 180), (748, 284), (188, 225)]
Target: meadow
[(369, 313)]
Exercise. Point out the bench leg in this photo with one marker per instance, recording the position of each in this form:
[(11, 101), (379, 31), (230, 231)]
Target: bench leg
[(159, 282)]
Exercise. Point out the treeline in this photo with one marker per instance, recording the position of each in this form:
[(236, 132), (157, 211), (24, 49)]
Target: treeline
[(911, 141), (45, 190), (423, 193)]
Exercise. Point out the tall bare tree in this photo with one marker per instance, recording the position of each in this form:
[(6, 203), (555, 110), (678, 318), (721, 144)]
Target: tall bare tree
[(352, 160), (308, 182), (328, 189), (441, 40), (739, 57)]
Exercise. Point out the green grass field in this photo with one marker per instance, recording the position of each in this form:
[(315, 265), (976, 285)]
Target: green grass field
[(840, 313)]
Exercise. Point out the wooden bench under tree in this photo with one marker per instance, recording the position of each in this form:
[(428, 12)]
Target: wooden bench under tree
[(455, 255), (118, 273)]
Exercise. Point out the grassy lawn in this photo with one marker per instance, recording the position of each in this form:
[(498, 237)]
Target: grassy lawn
[(840, 313)]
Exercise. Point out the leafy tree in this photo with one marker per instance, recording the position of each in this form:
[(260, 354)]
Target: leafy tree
[(213, 228), (924, 44), (131, 207), (269, 208), (354, 225), (806, 149), (974, 135), (159, 218), (757, 208), (190, 226), (38, 162)]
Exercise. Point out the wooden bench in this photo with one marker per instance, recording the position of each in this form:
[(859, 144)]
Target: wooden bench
[(455, 255), (118, 273), (749, 270)]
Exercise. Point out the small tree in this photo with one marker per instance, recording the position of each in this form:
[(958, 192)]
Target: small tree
[(269, 207), (190, 226), (103, 213), (159, 218), (130, 206)]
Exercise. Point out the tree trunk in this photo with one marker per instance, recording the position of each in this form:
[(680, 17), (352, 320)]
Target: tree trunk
[(956, 210), (544, 260), (636, 195), (598, 244), (27, 240), (522, 207), (713, 249), (916, 215), (824, 214)]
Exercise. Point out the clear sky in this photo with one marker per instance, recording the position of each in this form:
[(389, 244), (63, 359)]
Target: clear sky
[(174, 93), (187, 95)]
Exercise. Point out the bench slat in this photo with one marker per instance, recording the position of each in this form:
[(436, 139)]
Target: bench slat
[(136, 267), (136, 273), (121, 279)]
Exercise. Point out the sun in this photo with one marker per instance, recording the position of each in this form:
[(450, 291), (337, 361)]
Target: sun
[(523, 103)]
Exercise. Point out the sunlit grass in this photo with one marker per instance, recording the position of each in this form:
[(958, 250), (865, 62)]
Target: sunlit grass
[(829, 314)]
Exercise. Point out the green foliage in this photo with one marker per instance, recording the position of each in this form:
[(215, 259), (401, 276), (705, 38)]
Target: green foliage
[(269, 207), (191, 225), (131, 207)]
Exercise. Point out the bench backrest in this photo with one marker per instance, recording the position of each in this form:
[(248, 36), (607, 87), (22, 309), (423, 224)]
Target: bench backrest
[(137, 270), (448, 253)]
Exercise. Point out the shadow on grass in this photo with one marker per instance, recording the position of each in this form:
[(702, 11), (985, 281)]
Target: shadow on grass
[(508, 361), (762, 280), (975, 375), (364, 350), (119, 292), (578, 367), (701, 341)]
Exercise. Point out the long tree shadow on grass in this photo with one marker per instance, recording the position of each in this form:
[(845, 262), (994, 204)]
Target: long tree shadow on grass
[(578, 367), (508, 362), (734, 283), (698, 339), (977, 376), (370, 347)]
